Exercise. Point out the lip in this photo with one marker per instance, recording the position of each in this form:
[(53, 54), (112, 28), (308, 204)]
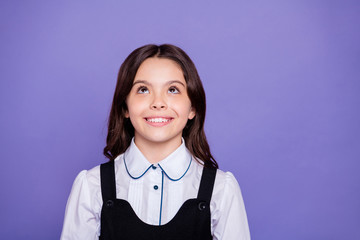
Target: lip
[(158, 121)]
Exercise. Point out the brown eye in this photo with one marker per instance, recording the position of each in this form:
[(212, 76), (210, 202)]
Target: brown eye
[(173, 90), (142, 90)]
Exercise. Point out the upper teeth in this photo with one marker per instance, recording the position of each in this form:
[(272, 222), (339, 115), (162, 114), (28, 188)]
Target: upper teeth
[(157, 120)]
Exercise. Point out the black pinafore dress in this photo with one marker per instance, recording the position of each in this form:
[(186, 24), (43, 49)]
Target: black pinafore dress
[(120, 222)]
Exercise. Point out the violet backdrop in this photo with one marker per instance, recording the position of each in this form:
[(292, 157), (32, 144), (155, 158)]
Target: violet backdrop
[(282, 80)]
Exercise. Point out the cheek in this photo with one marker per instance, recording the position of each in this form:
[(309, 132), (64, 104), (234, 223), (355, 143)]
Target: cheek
[(135, 106), (135, 116), (134, 111), (184, 109)]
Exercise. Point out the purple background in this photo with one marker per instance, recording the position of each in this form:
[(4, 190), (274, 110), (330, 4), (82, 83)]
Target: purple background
[(282, 80)]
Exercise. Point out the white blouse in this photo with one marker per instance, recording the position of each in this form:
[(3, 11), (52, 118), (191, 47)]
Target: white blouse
[(156, 193)]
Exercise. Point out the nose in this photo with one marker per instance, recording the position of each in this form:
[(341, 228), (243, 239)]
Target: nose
[(159, 103)]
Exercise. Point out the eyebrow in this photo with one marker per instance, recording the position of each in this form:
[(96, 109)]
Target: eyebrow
[(148, 83)]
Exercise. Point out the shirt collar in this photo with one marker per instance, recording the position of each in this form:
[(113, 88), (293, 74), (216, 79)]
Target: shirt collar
[(174, 166)]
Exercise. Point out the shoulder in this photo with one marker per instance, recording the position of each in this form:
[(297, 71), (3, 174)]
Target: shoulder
[(86, 184), (226, 188), (92, 176), (225, 185), (86, 189), (89, 176), (225, 180)]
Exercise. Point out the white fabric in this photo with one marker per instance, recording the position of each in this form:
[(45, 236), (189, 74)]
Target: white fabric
[(83, 210)]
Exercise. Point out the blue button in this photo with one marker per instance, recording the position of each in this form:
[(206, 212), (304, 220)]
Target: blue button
[(156, 187), (153, 167)]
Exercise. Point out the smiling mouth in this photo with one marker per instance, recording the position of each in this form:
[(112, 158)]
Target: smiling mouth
[(158, 120)]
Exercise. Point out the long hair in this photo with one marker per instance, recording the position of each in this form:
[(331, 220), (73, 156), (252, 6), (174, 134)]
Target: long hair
[(120, 129)]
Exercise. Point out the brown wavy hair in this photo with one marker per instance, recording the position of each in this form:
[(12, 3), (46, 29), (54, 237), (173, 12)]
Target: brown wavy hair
[(120, 129)]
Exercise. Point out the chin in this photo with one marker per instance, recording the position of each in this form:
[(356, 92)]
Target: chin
[(160, 139)]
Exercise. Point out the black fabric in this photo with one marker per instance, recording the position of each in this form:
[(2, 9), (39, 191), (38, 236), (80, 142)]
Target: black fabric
[(205, 190), (108, 183), (120, 222)]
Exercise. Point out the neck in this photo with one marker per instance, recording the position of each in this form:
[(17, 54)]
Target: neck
[(154, 152)]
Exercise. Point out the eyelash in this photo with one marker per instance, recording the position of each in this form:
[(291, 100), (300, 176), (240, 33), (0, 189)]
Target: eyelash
[(172, 89), (141, 89)]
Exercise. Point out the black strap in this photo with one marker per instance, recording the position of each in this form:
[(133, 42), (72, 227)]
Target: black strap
[(108, 185), (207, 184)]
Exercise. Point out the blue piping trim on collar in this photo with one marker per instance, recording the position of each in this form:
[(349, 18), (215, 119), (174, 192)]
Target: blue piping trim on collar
[(162, 191), (179, 177), (133, 176)]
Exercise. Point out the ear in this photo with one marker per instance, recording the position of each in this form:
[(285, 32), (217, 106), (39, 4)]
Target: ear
[(127, 115), (192, 113)]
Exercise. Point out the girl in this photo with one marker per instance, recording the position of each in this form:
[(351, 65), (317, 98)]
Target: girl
[(161, 181)]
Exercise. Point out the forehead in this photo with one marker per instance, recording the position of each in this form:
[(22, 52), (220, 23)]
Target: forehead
[(159, 69)]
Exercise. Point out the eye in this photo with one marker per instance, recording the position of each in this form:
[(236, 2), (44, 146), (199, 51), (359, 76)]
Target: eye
[(142, 90), (173, 90)]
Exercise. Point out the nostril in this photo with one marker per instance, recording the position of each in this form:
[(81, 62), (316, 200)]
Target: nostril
[(158, 106)]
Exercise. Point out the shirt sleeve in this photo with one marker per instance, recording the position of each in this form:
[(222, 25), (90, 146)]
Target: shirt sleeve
[(229, 220), (82, 217)]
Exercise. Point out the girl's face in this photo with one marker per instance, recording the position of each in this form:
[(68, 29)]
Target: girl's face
[(158, 104)]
